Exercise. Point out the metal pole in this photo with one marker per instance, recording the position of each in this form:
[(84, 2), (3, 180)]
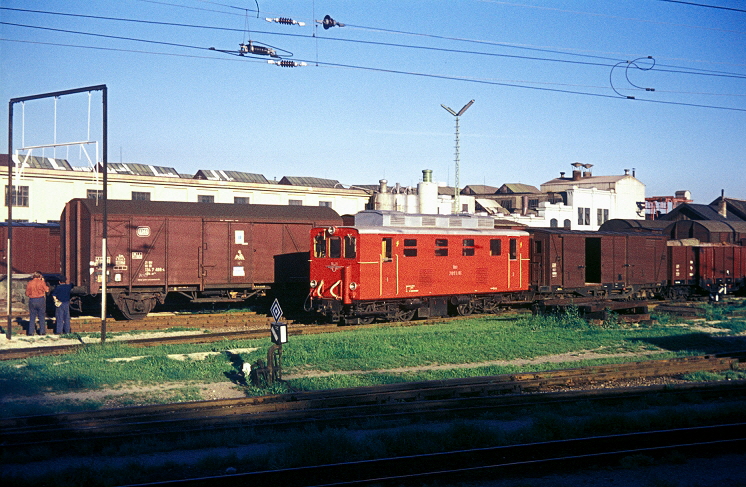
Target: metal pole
[(13, 101), (9, 261), (456, 199), (104, 268)]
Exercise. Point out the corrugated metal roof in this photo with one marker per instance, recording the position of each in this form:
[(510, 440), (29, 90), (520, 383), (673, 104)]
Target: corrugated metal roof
[(309, 181), (517, 188), (136, 169), (223, 175), (37, 162), (479, 189)]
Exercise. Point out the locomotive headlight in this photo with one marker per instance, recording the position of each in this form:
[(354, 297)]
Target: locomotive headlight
[(313, 283), (353, 286), (331, 230)]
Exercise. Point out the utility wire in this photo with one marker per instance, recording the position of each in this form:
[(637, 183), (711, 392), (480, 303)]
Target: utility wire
[(674, 69), (693, 4), (442, 77)]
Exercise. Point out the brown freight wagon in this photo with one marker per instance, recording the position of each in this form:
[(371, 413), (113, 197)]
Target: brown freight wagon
[(203, 251), (36, 247), (704, 268), (613, 265)]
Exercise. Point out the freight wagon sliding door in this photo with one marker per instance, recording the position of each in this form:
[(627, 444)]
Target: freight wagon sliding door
[(267, 242), (613, 260), (215, 259), (573, 268)]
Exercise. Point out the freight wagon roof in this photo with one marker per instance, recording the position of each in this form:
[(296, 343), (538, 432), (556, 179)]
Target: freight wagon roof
[(223, 211), (591, 233), (440, 231)]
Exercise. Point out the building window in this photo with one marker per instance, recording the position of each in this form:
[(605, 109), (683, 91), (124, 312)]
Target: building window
[(584, 216), (140, 196), (410, 247), (602, 216), (205, 198), (496, 246), (465, 208), (533, 203), (95, 194), (441, 247), (20, 196), (295, 202), (328, 204), (566, 224), (468, 248), (553, 223), (241, 200)]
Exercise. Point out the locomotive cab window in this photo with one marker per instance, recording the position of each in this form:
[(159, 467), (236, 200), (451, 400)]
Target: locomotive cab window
[(468, 248), (335, 247), (496, 246), (410, 247), (319, 247), (513, 249), (386, 249), (350, 247), (441, 247)]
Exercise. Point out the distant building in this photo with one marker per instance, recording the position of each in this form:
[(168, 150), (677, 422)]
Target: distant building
[(42, 186)]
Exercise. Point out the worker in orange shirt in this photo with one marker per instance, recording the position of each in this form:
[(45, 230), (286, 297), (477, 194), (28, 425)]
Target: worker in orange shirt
[(37, 290)]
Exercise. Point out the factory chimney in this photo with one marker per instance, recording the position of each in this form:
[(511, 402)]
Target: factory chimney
[(722, 208), (576, 172), (427, 175), (383, 186), (587, 172)]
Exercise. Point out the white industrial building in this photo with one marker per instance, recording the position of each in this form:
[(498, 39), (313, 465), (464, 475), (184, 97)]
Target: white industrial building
[(42, 186)]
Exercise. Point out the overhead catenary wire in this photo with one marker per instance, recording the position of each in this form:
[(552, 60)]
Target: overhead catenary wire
[(559, 51), (448, 77)]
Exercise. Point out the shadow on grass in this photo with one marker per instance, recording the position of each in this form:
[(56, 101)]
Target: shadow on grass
[(698, 342)]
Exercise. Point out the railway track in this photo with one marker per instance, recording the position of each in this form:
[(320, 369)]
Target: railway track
[(426, 399), (481, 463)]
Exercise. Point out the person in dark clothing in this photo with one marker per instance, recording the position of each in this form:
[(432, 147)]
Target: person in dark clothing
[(37, 290), (61, 296)]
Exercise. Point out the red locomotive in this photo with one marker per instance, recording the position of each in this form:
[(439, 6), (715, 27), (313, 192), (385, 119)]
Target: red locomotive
[(394, 266)]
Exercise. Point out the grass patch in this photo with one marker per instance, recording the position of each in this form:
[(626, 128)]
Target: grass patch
[(366, 356)]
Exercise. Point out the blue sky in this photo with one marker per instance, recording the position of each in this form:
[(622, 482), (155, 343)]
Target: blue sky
[(550, 80)]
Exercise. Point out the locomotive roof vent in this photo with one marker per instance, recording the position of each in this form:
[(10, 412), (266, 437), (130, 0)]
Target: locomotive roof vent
[(382, 218)]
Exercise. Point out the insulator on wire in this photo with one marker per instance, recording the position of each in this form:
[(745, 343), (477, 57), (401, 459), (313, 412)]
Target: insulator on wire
[(287, 64), (250, 48), (286, 21), (329, 22)]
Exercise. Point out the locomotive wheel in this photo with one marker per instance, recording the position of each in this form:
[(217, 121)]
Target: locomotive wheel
[(465, 309), (404, 315), (367, 320)]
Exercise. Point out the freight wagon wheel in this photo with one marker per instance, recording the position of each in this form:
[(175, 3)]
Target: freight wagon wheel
[(134, 306)]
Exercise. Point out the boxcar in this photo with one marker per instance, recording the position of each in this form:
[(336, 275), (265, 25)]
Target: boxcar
[(700, 268), (613, 265), (36, 247), (395, 267), (203, 251)]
